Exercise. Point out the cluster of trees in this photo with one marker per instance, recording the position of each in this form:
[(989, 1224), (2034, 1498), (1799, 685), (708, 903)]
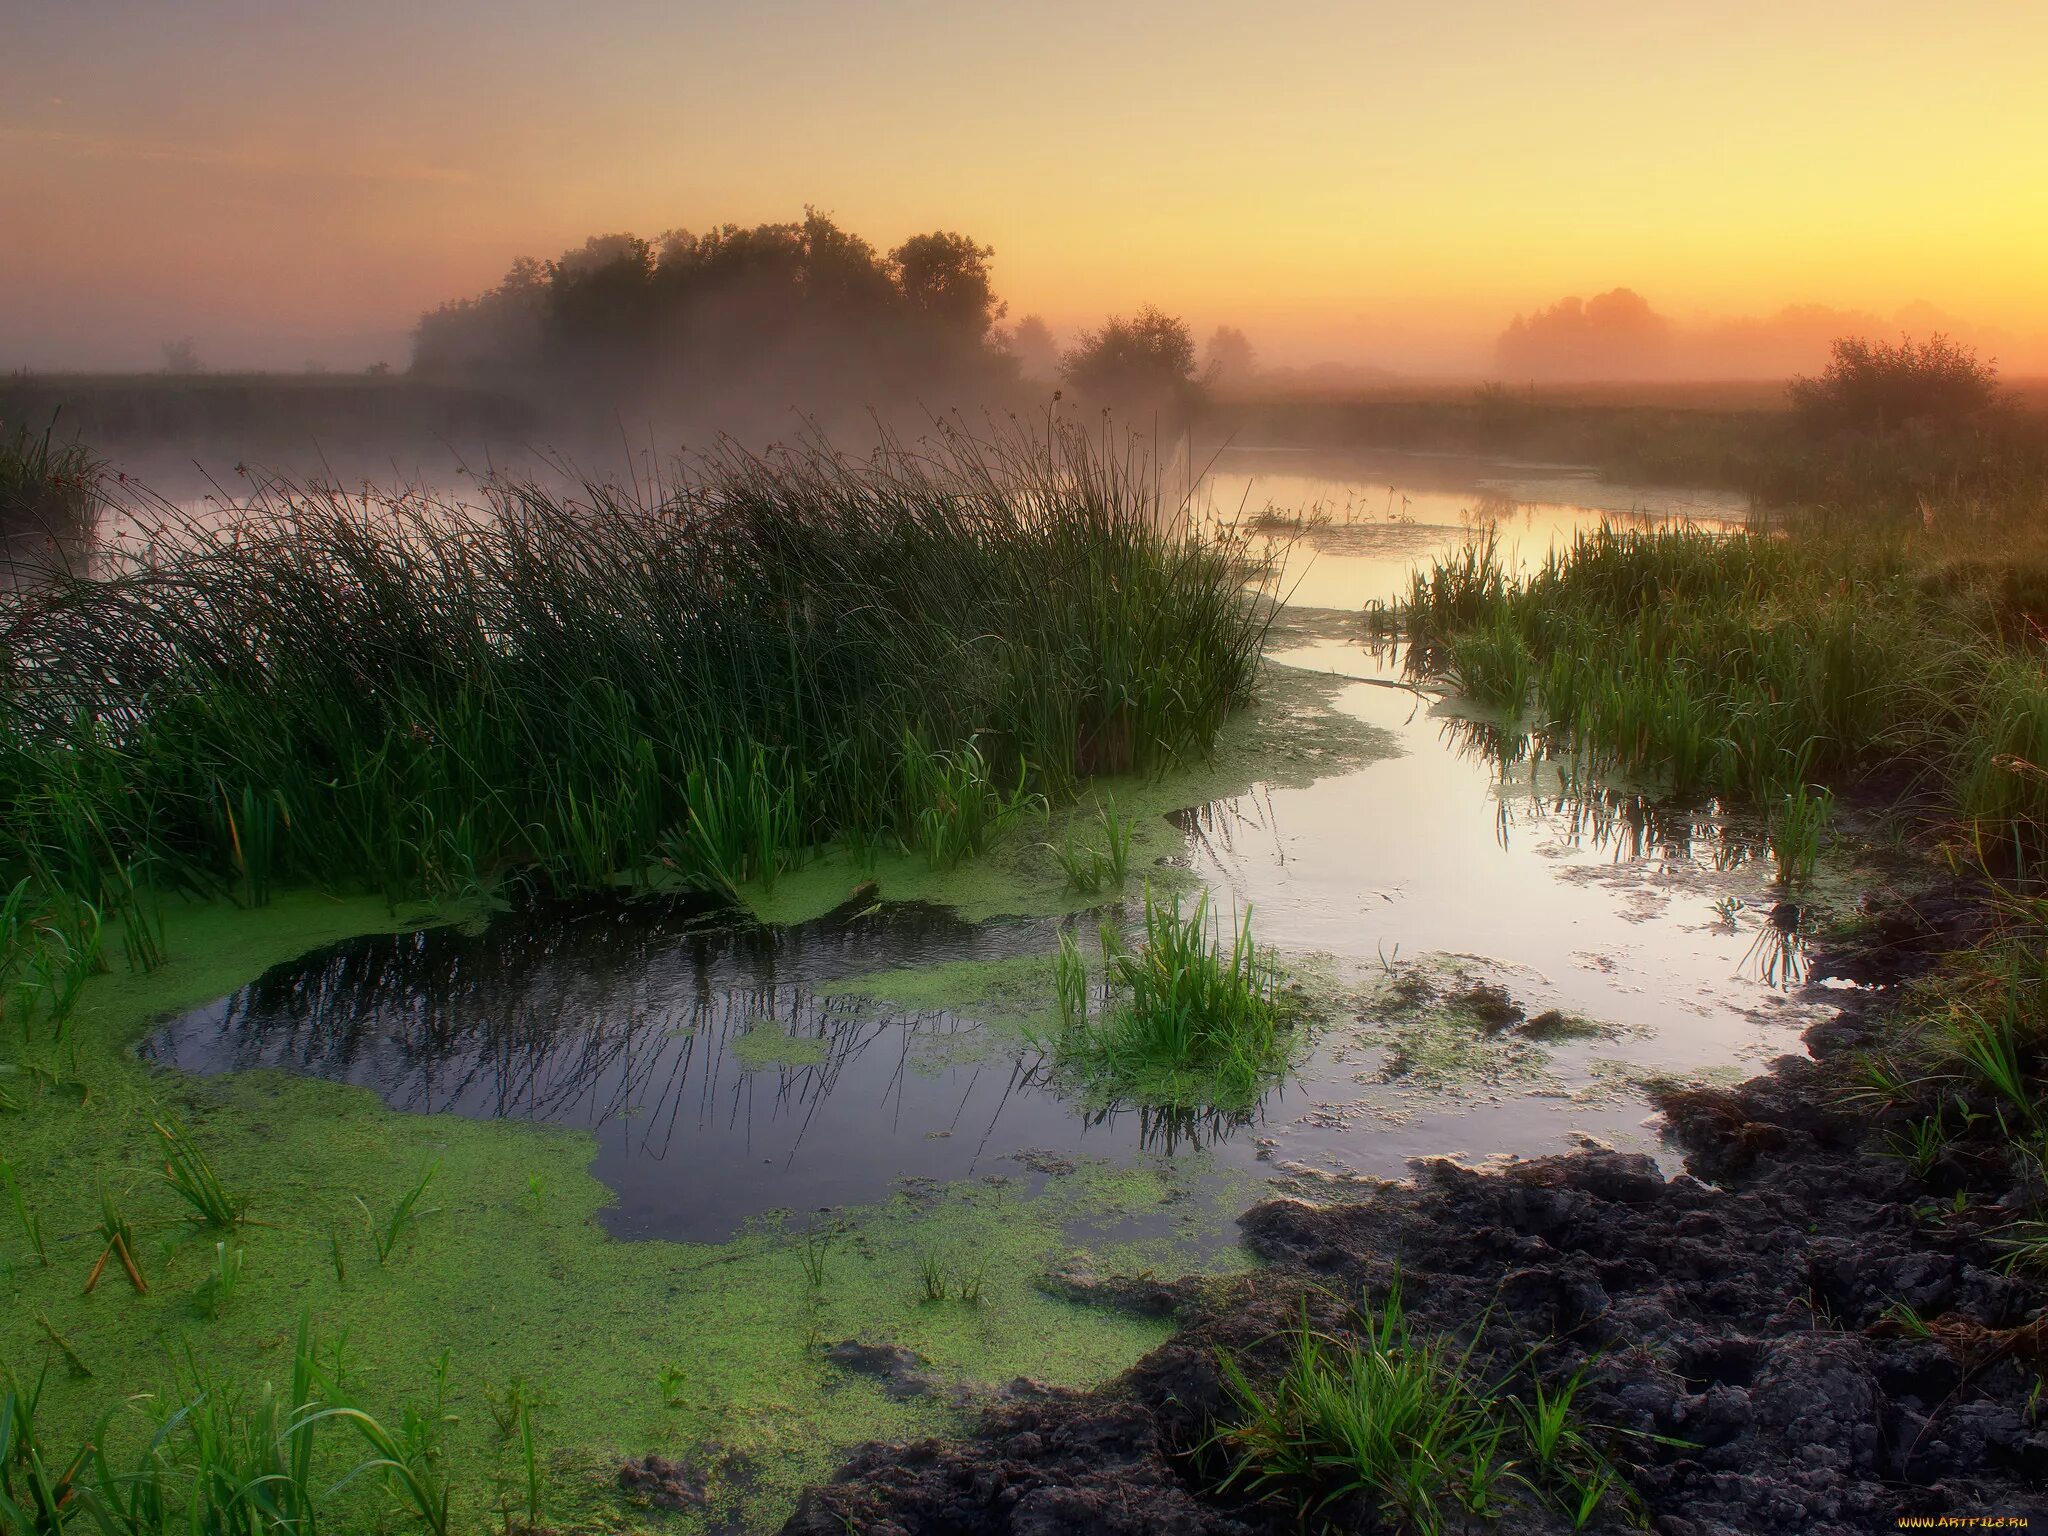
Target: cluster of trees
[(1611, 335), (801, 313), (804, 306)]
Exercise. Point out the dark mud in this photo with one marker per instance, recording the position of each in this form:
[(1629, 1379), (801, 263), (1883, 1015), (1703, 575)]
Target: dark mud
[(1737, 1326)]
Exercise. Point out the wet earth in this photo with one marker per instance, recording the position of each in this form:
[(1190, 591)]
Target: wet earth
[(1737, 1328)]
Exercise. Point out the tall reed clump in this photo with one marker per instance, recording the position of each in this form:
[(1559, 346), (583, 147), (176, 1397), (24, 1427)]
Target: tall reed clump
[(47, 487), (1766, 665), (779, 651), (1192, 1019)]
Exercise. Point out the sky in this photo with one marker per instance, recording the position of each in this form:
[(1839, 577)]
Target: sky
[(287, 182)]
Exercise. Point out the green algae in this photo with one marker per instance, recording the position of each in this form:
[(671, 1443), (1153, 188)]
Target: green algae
[(763, 1044), (1014, 995), (1291, 735), (629, 1347)]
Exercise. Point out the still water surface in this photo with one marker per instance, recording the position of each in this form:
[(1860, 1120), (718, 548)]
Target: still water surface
[(724, 1077)]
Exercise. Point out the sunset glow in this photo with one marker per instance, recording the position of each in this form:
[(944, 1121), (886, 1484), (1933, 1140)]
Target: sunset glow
[(1371, 183)]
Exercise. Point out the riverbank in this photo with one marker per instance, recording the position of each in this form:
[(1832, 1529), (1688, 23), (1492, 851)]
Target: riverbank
[(1800, 1333)]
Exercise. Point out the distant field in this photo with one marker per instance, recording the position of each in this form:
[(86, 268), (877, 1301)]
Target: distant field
[(249, 412)]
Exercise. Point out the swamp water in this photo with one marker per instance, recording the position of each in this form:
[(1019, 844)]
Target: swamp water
[(1506, 961)]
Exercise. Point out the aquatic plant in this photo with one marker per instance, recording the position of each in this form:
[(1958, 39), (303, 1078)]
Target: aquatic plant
[(931, 1274), (414, 698), (192, 1176), (1095, 858), (940, 1275), (404, 1213), (812, 1255), (1763, 666), (1798, 822), (217, 1291), (47, 487), (1188, 1019), (31, 1224), (117, 1242)]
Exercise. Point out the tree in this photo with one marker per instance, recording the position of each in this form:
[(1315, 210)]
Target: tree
[(1879, 387), (1229, 359), (496, 334), (1613, 335), (803, 311), (181, 356), (1032, 344), (1143, 362), (945, 277)]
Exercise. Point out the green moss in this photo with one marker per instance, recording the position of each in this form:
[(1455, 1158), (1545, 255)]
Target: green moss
[(510, 1273)]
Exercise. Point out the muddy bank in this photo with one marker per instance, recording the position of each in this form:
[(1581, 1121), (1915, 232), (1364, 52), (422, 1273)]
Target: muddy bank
[(1738, 1327)]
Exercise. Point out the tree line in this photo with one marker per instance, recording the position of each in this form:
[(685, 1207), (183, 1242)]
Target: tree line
[(803, 312)]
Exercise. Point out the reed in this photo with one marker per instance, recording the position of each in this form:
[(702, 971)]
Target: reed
[(1767, 665), (1095, 856), (48, 488), (31, 1224), (414, 698), (192, 1176)]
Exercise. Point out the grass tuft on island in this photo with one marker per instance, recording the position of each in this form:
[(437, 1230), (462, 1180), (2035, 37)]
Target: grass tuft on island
[(1191, 1022)]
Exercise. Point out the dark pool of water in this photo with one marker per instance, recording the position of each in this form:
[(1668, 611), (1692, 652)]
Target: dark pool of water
[(721, 1076)]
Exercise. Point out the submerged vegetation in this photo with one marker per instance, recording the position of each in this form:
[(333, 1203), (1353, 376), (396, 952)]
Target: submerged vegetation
[(703, 687)]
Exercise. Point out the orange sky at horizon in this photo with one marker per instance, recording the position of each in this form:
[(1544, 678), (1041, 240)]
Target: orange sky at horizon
[(1367, 183)]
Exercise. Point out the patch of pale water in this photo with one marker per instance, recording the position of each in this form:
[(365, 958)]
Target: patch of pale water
[(1509, 966)]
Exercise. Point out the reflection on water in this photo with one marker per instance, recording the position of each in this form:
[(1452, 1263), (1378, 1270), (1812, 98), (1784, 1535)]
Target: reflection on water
[(1358, 520), (724, 1077), (720, 1075)]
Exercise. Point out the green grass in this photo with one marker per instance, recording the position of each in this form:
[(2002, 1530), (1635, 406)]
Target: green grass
[(1766, 667), (1777, 666), (1095, 858), (1191, 1019), (47, 487), (1406, 1429), (221, 1461), (913, 648)]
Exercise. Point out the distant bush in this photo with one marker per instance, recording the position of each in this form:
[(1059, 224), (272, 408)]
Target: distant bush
[(1146, 362), (1879, 387)]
